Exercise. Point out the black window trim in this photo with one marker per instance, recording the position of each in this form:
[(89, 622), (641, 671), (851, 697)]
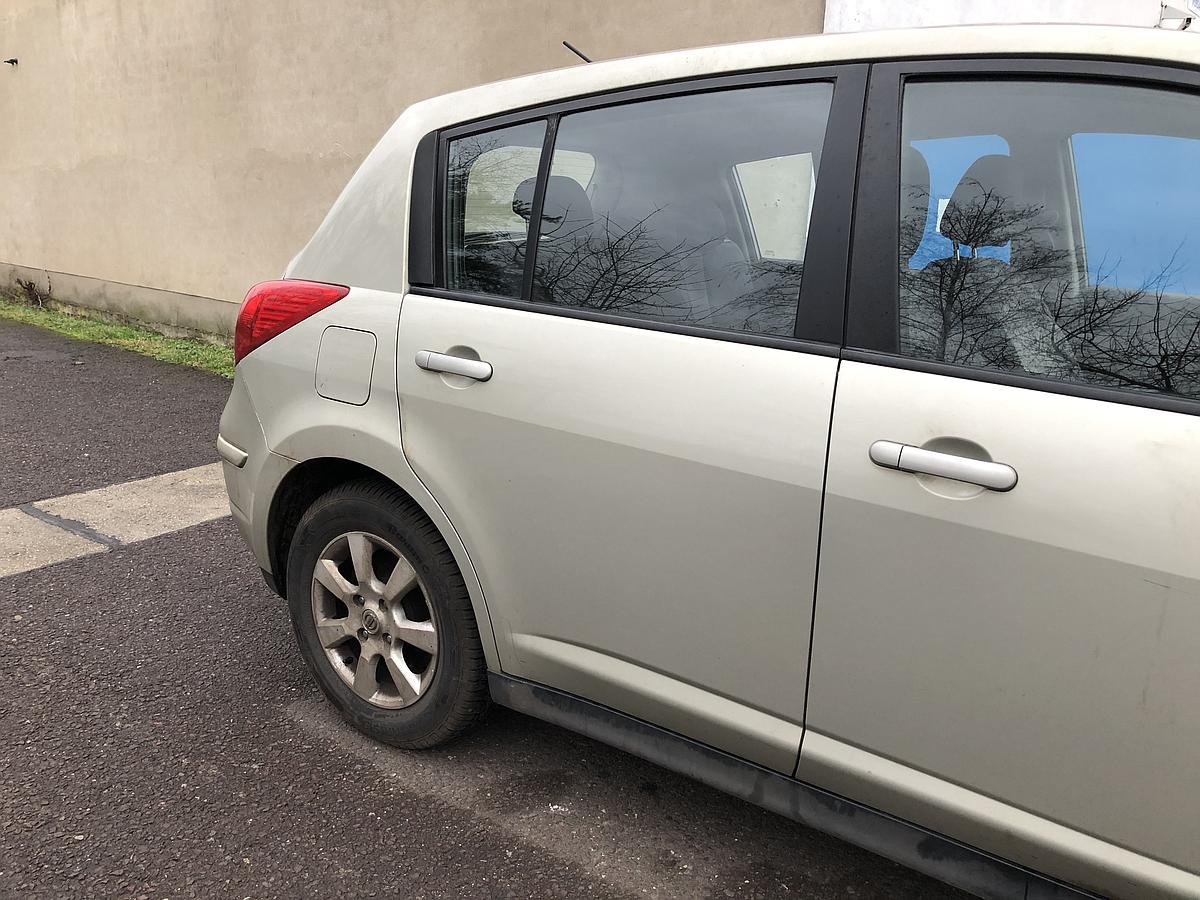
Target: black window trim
[(872, 303), (823, 284), (422, 206)]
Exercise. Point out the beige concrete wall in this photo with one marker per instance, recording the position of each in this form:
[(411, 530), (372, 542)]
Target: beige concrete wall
[(192, 146)]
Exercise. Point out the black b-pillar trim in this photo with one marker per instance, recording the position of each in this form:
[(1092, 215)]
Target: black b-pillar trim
[(421, 218)]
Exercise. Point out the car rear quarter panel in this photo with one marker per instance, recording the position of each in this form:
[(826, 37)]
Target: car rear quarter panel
[(299, 425)]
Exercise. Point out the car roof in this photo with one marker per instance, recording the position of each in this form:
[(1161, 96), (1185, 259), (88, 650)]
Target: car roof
[(359, 242), (1112, 42)]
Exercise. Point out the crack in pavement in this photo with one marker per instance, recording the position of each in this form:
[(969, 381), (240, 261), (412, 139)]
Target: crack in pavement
[(70, 525)]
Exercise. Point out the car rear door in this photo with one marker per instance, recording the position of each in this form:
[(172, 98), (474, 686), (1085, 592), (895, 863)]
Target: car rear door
[(629, 431), (1008, 607)]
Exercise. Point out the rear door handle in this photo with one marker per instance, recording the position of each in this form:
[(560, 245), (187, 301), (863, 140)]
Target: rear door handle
[(454, 365), (906, 458)]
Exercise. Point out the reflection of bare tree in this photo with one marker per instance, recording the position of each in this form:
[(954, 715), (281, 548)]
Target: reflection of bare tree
[(609, 268), (656, 266), (966, 309), (489, 169), (1140, 338), (766, 299), (488, 261), (647, 268), (1036, 313)]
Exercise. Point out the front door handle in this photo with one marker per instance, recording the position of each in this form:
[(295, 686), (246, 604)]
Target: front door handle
[(454, 365), (906, 458)]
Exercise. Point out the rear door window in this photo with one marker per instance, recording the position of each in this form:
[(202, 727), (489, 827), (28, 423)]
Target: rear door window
[(1052, 228), (663, 230)]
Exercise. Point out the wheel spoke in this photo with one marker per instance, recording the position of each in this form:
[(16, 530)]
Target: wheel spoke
[(408, 682), (366, 684), (328, 575), (401, 581), (360, 553), (420, 634), (331, 632)]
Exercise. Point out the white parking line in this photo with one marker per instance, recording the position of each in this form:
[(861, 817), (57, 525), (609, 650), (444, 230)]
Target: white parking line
[(138, 510), (51, 531)]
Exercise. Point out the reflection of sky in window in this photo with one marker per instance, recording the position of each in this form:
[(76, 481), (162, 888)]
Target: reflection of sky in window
[(1140, 204), (948, 160)]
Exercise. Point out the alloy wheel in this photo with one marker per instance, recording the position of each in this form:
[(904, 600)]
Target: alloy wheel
[(374, 620)]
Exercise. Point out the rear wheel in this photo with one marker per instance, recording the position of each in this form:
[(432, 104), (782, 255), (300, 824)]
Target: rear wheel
[(383, 618)]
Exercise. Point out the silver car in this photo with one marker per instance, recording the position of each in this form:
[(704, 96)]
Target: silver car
[(816, 417)]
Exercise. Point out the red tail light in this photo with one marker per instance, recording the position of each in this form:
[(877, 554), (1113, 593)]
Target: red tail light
[(272, 307)]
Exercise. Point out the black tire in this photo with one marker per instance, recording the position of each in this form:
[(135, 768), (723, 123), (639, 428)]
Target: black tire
[(457, 696)]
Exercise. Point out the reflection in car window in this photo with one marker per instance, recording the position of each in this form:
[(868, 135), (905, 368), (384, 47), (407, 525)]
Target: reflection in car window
[(662, 231), (1147, 167), (575, 165), (1069, 246), (485, 235), (948, 160)]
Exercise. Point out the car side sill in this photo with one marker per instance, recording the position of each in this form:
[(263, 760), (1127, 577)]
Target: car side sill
[(925, 851)]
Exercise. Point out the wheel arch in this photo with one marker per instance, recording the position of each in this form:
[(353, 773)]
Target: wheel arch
[(310, 479), (296, 493)]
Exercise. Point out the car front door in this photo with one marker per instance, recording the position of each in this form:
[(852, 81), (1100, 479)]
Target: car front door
[(1008, 607), (634, 457)]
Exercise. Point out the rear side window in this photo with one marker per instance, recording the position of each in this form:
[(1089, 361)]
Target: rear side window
[(489, 187), (1053, 229), (696, 212)]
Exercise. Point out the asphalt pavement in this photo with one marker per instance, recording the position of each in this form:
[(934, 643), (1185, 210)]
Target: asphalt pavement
[(159, 736), (75, 415)]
